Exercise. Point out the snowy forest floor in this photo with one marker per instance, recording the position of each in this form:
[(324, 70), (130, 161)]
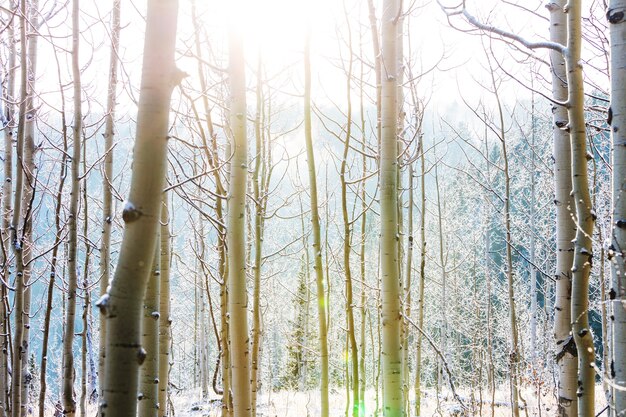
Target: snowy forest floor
[(307, 404)]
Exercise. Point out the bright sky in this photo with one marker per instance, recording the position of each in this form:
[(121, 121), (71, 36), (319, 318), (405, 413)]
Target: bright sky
[(277, 28)]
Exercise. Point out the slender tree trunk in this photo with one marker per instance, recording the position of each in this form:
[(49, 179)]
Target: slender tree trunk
[(584, 214), (617, 27), (259, 213), (565, 226), (19, 235), (362, 235), (391, 314), (149, 371), (236, 236), (28, 164), (68, 399), (107, 177), (165, 321), (7, 119), (443, 341), (420, 305), (347, 243), (408, 265), (514, 354), (122, 304), (533, 260), (86, 292), (317, 240)]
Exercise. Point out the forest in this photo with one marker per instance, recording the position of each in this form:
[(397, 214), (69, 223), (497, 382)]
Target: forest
[(313, 208)]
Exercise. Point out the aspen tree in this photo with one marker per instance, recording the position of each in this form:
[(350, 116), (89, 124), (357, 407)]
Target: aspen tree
[(390, 280), (617, 120), (317, 240), (443, 331), (585, 216), (86, 292), (29, 167), (122, 304), (422, 278), (149, 372), (418, 114), (21, 231), (362, 236), (67, 396), (260, 184), (235, 235), (565, 226), (347, 241), (107, 177), (165, 321), (514, 354), (408, 265), (8, 125)]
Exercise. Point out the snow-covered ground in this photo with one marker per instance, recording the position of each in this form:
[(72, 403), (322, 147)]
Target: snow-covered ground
[(307, 404)]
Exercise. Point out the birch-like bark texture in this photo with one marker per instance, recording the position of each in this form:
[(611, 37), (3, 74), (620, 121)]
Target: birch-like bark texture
[(29, 168), (236, 231), (584, 214), (317, 238), (149, 372), (8, 125), (107, 177), (389, 274), (165, 322), (67, 395), (122, 304), (261, 177), (617, 31), (565, 227), (20, 225)]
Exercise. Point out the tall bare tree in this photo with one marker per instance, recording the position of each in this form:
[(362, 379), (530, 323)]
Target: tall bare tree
[(317, 238), (107, 178), (389, 274), (617, 119), (236, 235), (122, 305), (68, 397)]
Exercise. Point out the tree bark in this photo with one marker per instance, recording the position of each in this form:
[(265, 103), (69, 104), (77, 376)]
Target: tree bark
[(585, 217), (565, 226), (8, 124), (420, 302), (317, 239), (391, 314), (149, 372), (617, 32), (165, 321), (67, 395), (122, 304), (347, 243), (236, 236), (107, 177)]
